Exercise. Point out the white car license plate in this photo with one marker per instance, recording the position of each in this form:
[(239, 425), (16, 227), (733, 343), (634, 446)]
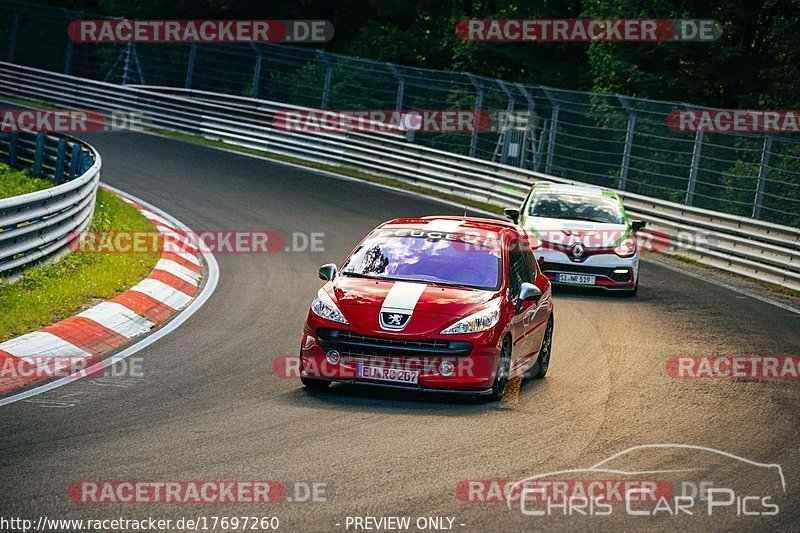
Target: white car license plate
[(394, 375), (575, 278)]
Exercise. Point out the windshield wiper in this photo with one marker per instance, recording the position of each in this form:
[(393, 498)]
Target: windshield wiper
[(359, 275), (587, 219)]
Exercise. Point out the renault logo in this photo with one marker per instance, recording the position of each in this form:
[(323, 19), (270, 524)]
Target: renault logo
[(578, 251)]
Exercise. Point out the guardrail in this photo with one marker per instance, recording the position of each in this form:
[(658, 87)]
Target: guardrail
[(40, 225), (760, 250)]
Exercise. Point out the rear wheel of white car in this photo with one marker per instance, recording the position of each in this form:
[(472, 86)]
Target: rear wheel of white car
[(631, 294)]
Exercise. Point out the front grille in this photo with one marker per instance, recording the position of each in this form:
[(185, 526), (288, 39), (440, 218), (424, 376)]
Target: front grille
[(354, 344), (584, 269)]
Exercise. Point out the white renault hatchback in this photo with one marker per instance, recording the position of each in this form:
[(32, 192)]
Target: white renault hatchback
[(581, 236)]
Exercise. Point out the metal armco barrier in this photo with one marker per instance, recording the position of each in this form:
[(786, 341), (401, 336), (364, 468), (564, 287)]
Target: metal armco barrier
[(40, 225), (760, 250)]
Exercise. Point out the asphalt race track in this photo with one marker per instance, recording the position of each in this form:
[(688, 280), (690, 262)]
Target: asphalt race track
[(210, 407)]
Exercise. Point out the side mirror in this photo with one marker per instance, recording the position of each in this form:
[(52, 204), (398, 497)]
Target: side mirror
[(326, 272), (512, 214), (528, 292), (637, 225)]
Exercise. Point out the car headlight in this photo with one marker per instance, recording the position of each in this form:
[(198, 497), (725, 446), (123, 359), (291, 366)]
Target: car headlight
[(323, 307), (627, 247), (476, 322)]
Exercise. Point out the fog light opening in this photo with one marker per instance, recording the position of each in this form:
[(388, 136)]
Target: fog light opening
[(446, 368), (620, 271), (333, 357)]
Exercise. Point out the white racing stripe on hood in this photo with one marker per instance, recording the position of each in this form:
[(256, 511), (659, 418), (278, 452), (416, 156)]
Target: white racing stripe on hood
[(403, 297), (448, 226)]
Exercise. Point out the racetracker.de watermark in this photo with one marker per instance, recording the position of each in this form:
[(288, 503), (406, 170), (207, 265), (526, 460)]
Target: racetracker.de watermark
[(292, 367), (734, 121), (38, 367), (562, 490), (588, 30), (734, 366), (200, 492), (383, 121), (200, 31), (218, 242), (67, 121)]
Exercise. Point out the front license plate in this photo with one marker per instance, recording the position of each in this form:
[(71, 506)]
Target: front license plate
[(575, 278), (393, 375)]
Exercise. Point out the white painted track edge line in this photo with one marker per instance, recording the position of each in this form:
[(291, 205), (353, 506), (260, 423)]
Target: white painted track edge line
[(182, 316)]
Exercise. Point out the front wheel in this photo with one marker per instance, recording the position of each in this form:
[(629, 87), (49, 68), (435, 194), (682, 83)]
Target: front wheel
[(500, 384), (541, 366)]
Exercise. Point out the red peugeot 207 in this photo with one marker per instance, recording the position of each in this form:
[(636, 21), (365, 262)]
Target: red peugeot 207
[(442, 304)]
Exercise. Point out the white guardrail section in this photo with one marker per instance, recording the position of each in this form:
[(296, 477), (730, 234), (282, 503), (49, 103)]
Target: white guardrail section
[(760, 250), (40, 225)]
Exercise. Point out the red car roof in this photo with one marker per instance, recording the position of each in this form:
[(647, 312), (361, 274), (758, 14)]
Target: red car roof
[(465, 223)]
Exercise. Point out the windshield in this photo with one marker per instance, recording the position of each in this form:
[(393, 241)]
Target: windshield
[(426, 259), (593, 208)]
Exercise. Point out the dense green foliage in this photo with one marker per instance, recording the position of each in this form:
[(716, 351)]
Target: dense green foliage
[(753, 64)]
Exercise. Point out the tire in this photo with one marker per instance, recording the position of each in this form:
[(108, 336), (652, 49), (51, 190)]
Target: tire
[(500, 384), (541, 367), (631, 294), (315, 384)]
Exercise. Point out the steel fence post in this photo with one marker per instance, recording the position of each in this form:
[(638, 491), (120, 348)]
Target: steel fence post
[(531, 118), (74, 162), (126, 65), (190, 66), (257, 71), (12, 41), (401, 87), (473, 142), (13, 143), (326, 89), (551, 144), (37, 156), (698, 148), (626, 154), (62, 153), (509, 111), (68, 58), (762, 176)]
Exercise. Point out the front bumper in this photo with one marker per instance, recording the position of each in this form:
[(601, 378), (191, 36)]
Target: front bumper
[(611, 272), (457, 392), (474, 358)]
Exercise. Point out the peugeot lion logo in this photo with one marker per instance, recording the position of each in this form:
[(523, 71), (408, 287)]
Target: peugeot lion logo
[(391, 320)]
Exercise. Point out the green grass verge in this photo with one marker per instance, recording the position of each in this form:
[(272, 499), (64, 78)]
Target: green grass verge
[(51, 292), (15, 182)]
